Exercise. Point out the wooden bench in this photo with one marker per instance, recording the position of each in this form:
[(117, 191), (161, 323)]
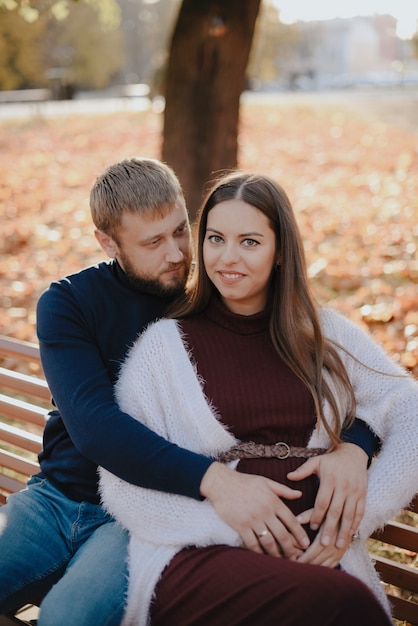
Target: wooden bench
[(395, 553), (19, 96), (24, 401)]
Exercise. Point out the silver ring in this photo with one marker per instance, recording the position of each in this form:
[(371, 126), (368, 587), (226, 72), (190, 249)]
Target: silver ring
[(262, 534), (355, 536)]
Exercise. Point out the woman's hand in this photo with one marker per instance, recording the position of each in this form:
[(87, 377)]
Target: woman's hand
[(341, 499), (317, 554), (252, 506)]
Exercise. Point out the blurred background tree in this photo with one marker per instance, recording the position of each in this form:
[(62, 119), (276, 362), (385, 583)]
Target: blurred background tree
[(73, 43), (80, 50), (20, 50), (273, 43), (206, 75)]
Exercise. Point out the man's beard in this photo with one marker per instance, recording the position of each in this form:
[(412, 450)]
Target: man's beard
[(154, 286)]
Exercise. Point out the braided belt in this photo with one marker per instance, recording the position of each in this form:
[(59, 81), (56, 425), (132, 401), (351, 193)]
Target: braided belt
[(280, 450)]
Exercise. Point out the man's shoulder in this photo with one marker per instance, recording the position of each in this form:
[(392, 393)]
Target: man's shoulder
[(90, 273), (89, 283), (90, 277), (102, 294)]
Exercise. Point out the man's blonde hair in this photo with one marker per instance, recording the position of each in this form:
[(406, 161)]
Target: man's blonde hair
[(137, 185)]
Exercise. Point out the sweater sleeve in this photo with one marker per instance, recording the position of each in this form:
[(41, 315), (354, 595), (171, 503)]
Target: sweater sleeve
[(81, 385), (386, 400), (360, 434)]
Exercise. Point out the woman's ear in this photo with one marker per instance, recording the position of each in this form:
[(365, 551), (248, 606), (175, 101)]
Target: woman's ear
[(107, 243)]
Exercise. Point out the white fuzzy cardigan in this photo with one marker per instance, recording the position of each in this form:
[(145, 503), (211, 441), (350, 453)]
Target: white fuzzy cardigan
[(158, 386)]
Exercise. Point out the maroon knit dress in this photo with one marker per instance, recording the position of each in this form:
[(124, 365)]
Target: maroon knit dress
[(259, 400)]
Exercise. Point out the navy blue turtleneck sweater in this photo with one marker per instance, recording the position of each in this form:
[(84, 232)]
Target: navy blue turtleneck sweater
[(86, 322)]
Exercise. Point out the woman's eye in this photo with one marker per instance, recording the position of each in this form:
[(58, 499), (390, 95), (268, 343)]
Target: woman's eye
[(250, 243), (215, 238)]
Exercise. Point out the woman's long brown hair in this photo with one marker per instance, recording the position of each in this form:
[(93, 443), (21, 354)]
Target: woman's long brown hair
[(295, 328)]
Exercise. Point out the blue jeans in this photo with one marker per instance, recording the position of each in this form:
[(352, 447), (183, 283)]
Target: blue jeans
[(73, 552)]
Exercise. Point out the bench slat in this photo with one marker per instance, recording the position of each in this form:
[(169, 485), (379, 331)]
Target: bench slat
[(398, 534), (24, 384), (397, 574), (9, 485), (22, 349), (404, 610), (20, 438), (17, 463), (22, 411)]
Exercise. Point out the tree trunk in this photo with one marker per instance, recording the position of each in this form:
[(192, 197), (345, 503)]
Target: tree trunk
[(206, 76)]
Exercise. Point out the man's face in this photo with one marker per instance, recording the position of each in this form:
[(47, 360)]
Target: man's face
[(154, 251)]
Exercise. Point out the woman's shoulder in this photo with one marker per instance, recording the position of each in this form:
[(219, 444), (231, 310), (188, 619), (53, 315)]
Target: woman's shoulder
[(334, 322), (358, 343), (338, 328)]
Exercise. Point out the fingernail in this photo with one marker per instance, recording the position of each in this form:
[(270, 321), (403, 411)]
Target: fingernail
[(340, 543), (314, 526), (305, 542), (325, 540)]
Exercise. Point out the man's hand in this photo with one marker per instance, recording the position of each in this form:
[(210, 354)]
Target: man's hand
[(252, 506), (341, 499)]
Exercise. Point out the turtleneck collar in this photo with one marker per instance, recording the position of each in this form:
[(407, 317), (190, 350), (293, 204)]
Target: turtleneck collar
[(119, 273), (124, 280), (218, 313)]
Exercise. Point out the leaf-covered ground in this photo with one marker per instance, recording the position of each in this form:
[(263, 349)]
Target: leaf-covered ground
[(350, 166)]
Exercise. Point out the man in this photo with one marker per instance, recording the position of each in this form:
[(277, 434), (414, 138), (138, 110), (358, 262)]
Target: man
[(56, 540)]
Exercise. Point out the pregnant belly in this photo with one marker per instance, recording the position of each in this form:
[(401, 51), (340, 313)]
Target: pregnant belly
[(277, 470)]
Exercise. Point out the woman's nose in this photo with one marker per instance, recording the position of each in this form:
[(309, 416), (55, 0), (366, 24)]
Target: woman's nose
[(230, 254)]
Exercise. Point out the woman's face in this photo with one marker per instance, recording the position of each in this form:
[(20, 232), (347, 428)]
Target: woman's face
[(239, 253)]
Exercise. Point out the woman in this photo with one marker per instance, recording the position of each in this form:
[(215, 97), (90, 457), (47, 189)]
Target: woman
[(253, 362)]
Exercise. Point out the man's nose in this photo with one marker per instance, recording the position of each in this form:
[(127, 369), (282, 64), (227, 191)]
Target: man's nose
[(174, 253)]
